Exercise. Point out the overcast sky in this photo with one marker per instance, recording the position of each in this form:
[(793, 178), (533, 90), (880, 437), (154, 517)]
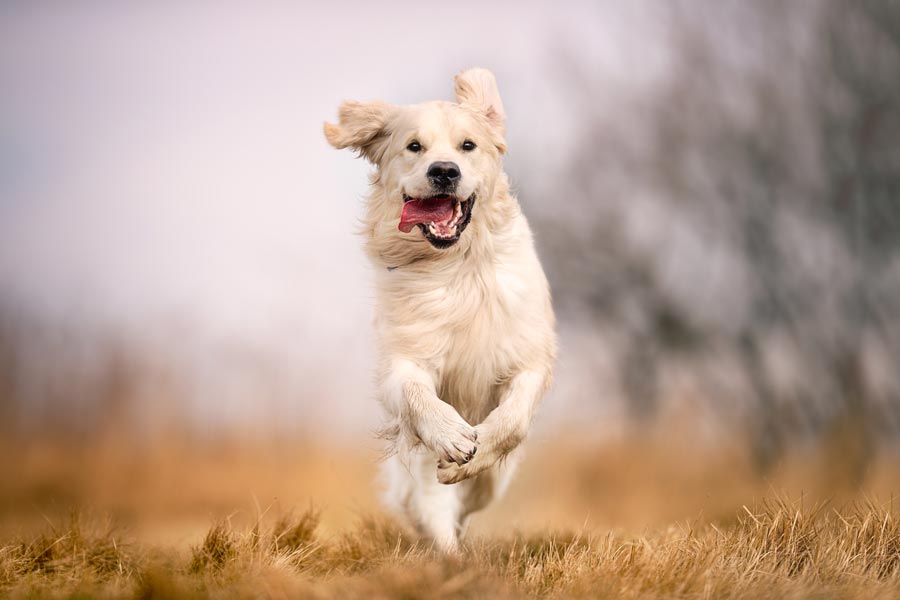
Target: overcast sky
[(164, 163)]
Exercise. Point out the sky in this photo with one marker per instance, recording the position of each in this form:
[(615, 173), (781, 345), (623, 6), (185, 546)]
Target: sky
[(163, 170)]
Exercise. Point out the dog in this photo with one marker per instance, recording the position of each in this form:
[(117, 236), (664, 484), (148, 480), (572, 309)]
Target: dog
[(465, 329)]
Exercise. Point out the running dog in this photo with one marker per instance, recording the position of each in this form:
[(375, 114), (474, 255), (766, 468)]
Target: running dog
[(464, 322)]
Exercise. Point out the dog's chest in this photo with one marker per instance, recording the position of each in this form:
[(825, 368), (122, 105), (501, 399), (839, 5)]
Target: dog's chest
[(469, 322)]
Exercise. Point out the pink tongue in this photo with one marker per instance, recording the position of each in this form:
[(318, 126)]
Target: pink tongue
[(425, 211)]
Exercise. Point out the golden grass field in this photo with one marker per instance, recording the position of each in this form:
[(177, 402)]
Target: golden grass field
[(256, 518)]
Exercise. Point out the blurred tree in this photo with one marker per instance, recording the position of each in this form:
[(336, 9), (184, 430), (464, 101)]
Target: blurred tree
[(748, 205)]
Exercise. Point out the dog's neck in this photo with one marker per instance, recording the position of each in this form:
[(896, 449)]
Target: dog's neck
[(390, 250)]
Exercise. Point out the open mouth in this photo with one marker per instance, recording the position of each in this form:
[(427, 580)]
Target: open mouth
[(442, 218)]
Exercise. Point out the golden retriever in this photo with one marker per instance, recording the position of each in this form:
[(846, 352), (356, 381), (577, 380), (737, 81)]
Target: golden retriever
[(464, 322)]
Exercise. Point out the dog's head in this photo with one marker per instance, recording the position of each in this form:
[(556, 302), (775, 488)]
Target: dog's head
[(434, 160)]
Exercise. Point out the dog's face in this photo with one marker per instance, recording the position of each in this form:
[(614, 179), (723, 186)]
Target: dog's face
[(441, 157), (434, 160)]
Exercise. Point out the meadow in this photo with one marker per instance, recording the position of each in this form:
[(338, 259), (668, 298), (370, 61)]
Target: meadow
[(254, 518)]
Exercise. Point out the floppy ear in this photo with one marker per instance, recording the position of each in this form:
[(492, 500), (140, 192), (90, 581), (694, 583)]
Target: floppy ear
[(477, 89), (362, 126)]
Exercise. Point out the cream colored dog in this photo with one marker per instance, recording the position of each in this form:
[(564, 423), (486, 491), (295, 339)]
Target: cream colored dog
[(464, 323)]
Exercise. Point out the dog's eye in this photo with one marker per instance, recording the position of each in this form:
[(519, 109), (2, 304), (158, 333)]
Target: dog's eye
[(414, 146), (468, 146)]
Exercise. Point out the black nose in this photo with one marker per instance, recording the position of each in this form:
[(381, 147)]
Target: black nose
[(443, 173)]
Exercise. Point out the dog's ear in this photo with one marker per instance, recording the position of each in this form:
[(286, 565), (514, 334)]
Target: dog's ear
[(477, 89), (363, 127)]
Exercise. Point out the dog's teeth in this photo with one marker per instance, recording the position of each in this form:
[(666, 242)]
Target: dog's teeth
[(457, 216)]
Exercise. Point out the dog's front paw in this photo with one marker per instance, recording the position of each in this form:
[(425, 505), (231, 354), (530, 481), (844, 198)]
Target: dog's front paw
[(449, 472), (489, 452), (448, 435)]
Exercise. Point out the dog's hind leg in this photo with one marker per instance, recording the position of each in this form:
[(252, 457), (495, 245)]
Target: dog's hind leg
[(413, 491)]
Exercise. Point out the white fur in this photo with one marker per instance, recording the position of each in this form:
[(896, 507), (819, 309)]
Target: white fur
[(466, 334)]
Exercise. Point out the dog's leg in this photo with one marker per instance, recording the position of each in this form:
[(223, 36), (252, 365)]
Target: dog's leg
[(504, 429), (429, 507), (409, 396), (476, 493)]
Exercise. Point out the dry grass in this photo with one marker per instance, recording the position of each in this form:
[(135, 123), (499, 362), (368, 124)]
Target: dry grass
[(591, 520), (63, 558), (776, 549)]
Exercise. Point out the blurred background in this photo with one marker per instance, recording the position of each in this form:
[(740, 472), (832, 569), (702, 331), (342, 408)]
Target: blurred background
[(185, 307)]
